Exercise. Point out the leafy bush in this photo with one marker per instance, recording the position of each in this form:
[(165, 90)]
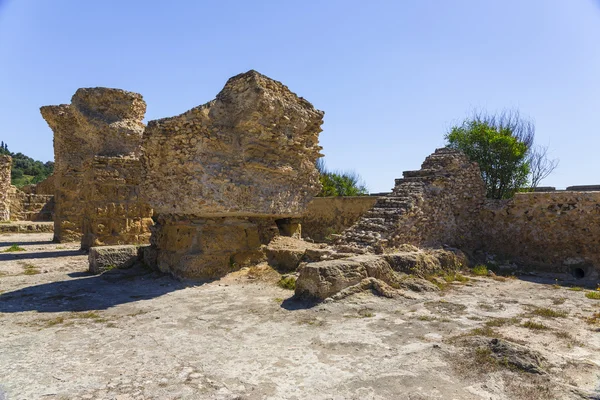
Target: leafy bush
[(338, 183), (502, 145)]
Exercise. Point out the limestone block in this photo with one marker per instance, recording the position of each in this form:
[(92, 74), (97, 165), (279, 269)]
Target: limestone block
[(109, 257)]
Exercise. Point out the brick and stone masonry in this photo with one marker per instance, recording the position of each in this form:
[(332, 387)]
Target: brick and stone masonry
[(5, 187), (227, 176), (96, 152)]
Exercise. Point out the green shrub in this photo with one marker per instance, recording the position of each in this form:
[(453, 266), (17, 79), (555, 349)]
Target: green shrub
[(338, 183), (13, 248), (480, 270)]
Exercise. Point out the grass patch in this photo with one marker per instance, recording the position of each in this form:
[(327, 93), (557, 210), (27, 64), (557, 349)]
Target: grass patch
[(536, 326), (13, 248), (288, 282), (455, 277), (593, 295), (365, 313), (483, 331), (480, 270), (497, 322), (30, 269), (594, 319), (549, 313), (55, 321), (278, 300), (576, 289), (426, 318)]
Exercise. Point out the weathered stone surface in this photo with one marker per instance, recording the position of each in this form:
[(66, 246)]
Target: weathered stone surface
[(249, 152), (323, 279), (109, 257), (115, 213), (438, 204), (285, 253), (228, 176), (5, 187), (26, 227), (555, 231), (98, 122), (204, 248), (325, 216)]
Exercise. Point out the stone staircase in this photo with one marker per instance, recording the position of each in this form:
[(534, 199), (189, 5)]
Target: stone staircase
[(380, 225)]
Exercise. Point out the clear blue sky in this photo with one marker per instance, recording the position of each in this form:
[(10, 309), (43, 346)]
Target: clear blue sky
[(392, 76)]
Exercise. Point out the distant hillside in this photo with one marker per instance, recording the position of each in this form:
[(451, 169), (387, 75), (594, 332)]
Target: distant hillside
[(26, 170)]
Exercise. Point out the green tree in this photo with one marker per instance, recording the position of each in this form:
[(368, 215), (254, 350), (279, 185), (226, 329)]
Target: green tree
[(346, 183), (501, 144)]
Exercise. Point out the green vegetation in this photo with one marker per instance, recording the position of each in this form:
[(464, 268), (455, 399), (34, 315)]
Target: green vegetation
[(288, 282), (26, 170), (337, 183), (593, 295), (549, 313), (30, 269), (502, 145), (13, 248), (496, 322), (536, 326), (480, 270), (576, 289)]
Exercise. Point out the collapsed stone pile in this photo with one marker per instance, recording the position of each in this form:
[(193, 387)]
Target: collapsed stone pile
[(227, 176), (97, 169)]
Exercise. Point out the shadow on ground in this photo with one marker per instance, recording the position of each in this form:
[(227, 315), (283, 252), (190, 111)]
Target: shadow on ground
[(24, 255), (91, 292), (27, 243)]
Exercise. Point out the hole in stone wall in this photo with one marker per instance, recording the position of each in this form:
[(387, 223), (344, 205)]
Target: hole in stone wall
[(578, 273)]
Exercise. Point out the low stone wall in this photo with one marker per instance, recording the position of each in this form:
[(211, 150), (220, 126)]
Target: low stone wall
[(332, 215), (555, 230)]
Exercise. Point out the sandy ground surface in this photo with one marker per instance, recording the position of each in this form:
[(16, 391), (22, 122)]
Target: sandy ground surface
[(135, 334)]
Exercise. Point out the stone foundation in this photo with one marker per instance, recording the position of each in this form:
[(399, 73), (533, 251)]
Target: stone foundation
[(205, 248)]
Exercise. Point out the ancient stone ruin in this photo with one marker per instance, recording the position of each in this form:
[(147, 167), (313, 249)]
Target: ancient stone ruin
[(97, 168), (438, 204), (5, 187), (442, 208), (228, 176)]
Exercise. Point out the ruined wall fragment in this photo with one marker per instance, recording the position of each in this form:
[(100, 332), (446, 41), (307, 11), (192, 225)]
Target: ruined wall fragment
[(98, 122), (555, 231), (221, 174), (5, 187)]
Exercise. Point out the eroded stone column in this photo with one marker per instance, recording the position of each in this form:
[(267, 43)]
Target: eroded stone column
[(96, 152), (5, 187), (221, 174)]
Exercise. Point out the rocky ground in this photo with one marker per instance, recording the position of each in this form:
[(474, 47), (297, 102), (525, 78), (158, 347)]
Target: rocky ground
[(134, 334)]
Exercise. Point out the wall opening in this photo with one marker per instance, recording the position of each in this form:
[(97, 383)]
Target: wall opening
[(578, 273)]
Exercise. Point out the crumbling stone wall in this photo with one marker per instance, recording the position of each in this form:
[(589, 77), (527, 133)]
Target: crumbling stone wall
[(559, 231), (5, 187), (325, 216), (114, 212), (226, 176), (438, 204), (98, 122)]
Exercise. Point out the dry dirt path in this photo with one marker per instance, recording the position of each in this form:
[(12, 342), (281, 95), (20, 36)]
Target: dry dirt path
[(65, 334)]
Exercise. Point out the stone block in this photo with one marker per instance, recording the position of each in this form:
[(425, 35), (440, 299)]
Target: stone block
[(105, 258)]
